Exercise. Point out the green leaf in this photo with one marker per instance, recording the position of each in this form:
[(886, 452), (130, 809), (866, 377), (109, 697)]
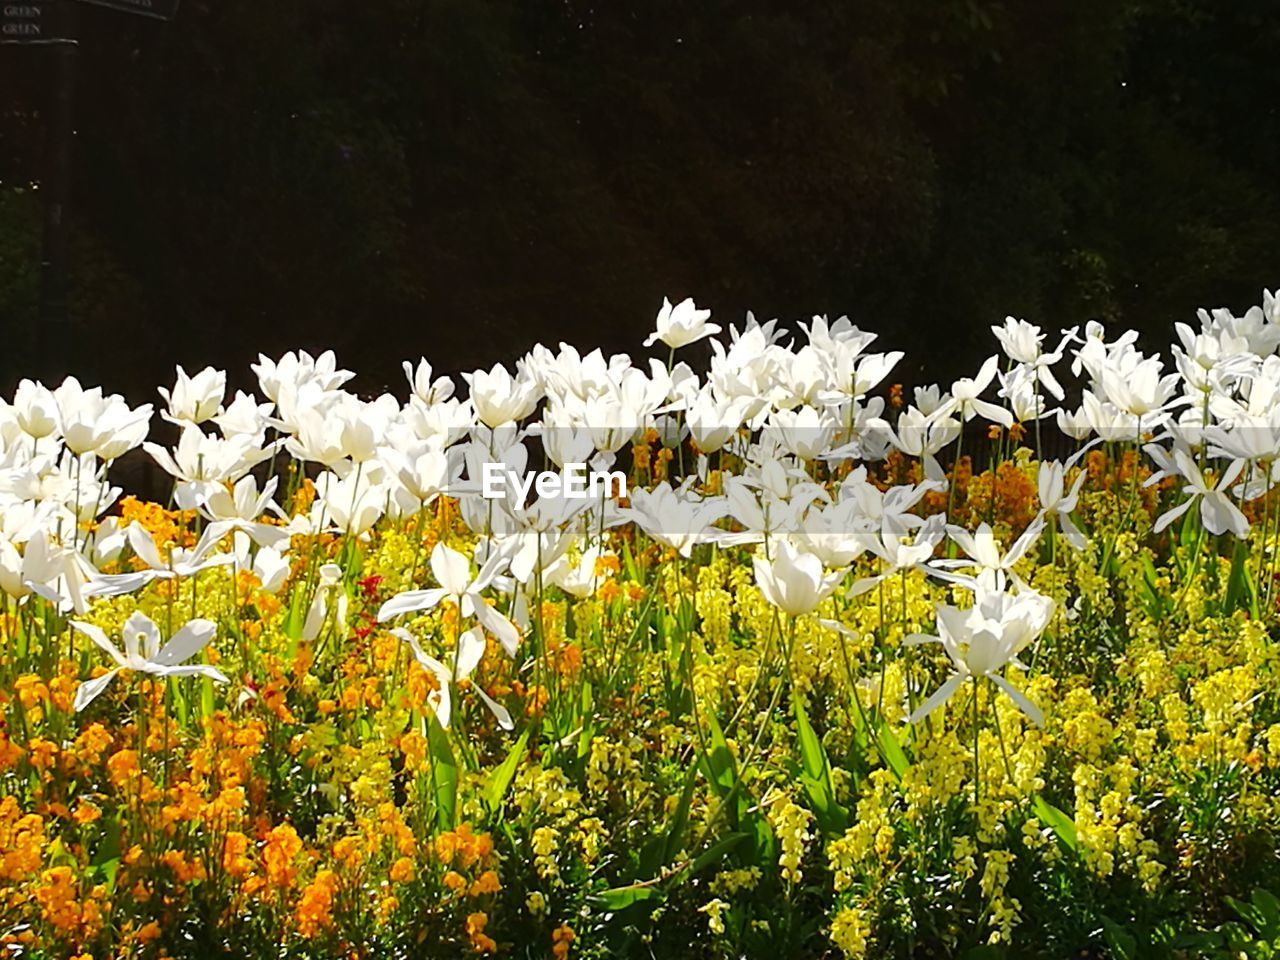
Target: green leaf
[(444, 775), (500, 781), (619, 898), (718, 761), (1121, 942), (1059, 822), (105, 863), (816, 777), (716, 852), (894, 755), (1268, 908), (680, 820), (629, 561)]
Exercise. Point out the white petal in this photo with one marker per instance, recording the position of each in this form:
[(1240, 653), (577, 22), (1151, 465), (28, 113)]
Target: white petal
[(1219, 515), (1017, 696), (186, 643), (1169, 516), (97, 636), (411, 602), (88, 691), (141, 636), (498, 625), (451, 568), (499, 712), (470, 651), (940, 696)]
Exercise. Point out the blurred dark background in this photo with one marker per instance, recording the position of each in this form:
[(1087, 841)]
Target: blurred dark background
[(461, 178)]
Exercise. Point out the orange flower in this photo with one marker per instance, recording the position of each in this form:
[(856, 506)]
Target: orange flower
[(454, 881), (561, 937), (402, 871), (86, 812), (234, 848), (476, 922), (487, 882), (315, 905), (282, 848)]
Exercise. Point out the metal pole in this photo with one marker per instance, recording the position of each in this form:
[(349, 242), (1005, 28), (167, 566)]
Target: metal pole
[(53, 334)]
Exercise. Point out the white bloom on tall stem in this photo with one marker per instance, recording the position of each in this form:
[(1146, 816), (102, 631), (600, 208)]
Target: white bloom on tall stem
[(1057, 503), (1217, 512), (452, 571), (35, 409), (966, 397), (984, 552), (467, 657), (676, 520), (794, 581), (1139, 389), (195, 399), (499, 398), (982, 640), (682, 324), (143, 653), (425, 387), (1021, 342)]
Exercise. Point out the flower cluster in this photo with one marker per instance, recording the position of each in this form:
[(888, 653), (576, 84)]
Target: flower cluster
[(838, 672)]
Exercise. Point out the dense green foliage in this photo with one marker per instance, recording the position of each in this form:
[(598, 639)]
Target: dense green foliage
[(443, 174)]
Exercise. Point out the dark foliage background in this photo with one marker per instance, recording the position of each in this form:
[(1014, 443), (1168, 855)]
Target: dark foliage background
[(461, 178)]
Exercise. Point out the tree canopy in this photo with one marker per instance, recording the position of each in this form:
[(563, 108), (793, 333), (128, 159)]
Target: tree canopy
[(437, 177)]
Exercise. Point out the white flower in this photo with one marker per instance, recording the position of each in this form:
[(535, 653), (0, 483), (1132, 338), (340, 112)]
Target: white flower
[(294, 371), (681, 325), (330, 582), (672, 519), (1021, 343), (143, 653), (499, 398), (467, 657), (41, 563), (793, 581), (900, 552), (195, 399), (1059, 503), (1139, 389), (271, 568), (806, 432), (1217, 512), (244, 415), (452, 571), (35, 409), (713, 423), (980, 641), (577, 579), (984, 552), (966, 397), (201, 463), (425, 388), (91, 420)]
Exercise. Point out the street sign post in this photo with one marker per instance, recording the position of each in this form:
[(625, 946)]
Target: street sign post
[(159, 9)]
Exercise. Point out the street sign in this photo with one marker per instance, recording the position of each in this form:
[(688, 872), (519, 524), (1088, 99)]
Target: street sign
[(30, 21), (159, 9)]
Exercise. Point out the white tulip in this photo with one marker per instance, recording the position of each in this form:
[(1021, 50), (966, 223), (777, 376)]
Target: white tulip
[(680, 325), (143, 653), (794, 581)]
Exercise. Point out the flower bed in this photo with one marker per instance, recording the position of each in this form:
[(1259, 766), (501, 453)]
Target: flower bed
[(827, 672)]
